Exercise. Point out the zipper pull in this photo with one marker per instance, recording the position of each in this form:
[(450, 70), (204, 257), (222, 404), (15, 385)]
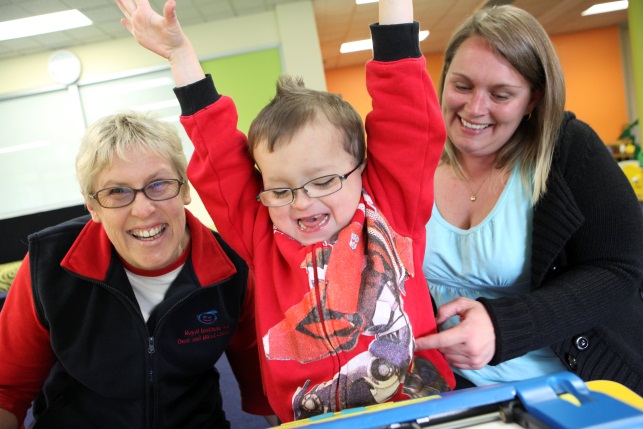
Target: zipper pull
[(150, 345)]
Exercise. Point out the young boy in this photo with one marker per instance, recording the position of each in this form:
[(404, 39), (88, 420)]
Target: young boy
[(336, 243)]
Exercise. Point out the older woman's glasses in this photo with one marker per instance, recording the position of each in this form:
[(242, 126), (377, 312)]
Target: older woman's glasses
[(121, 196), (316, 188)]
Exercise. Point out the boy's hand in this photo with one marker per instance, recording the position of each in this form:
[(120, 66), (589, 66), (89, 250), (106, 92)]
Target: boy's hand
[(163, 36), (160, 34), (395, 12), (470, 344)]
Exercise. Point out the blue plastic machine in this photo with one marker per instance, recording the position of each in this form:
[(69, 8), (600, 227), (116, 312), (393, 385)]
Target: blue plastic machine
[(560, 401)]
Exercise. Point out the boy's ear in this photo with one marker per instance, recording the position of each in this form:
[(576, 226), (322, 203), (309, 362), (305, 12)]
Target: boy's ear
[(363, 166)]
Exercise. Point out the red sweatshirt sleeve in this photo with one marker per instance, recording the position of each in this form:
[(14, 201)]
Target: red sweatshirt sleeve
[(406, 135), (26, 356), (223, 174)]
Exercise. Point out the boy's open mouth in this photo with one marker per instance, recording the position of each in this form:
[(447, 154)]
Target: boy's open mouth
[(313, 222)]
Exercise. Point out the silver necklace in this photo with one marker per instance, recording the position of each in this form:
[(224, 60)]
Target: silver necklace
[(474, 195)]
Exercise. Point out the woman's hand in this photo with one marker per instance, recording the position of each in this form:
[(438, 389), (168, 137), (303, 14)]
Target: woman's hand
[(470, 344)]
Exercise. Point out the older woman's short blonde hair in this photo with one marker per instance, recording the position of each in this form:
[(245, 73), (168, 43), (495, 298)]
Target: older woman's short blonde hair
[(112, 136)]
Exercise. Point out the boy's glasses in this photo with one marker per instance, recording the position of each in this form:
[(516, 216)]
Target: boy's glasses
[(121, 196), (316, 188)]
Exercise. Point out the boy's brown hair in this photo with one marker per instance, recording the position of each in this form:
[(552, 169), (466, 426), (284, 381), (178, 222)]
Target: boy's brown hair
[(294, 106)]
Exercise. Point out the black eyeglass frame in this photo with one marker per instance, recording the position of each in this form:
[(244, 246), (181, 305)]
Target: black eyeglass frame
[(94, 196), (342, 178)]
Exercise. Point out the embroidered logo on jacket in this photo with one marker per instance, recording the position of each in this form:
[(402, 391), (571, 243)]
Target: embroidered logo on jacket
[(208, 318)]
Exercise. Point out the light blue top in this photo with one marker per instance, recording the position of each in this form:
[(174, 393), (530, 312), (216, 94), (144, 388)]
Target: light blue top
[(492, 260)]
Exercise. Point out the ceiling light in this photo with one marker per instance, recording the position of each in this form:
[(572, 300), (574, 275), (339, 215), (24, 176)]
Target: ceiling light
[(42, 24), (605, 7), (365, 1), (363, 45)]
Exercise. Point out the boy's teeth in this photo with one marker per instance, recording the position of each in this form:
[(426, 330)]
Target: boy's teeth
[(312, 222)]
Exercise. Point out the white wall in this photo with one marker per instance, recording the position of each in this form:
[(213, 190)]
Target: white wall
[(291, 27)]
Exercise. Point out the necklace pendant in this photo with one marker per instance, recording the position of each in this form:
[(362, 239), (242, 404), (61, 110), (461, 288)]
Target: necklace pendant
[(473, 197)]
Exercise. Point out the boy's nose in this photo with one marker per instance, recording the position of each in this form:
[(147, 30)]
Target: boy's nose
[(301, 198)]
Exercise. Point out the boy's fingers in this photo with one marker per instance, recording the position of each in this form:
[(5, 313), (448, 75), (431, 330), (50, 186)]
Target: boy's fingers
[(125, 23), (126, 6)]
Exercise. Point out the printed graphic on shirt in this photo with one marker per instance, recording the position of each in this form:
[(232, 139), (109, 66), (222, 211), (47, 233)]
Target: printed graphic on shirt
[(355, 303)]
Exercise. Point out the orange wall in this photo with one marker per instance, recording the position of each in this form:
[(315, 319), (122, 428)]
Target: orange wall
[(593, 70), (591, 62)]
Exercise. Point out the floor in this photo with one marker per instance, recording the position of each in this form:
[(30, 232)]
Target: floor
[(232, 401)]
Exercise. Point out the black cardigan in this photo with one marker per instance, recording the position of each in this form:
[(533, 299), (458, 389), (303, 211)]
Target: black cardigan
[(587, 268)]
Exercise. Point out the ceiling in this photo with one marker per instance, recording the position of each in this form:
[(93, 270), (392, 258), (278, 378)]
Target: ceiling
[(338, 21)]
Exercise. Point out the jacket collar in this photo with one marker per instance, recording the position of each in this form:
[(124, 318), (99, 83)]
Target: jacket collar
[(91, 254)]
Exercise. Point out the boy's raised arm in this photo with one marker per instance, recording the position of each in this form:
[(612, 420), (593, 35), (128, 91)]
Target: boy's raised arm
[(395, 11), (164, 36)]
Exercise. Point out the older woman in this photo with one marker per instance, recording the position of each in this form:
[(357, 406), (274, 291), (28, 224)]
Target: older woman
[(117, 319), (536, 239)]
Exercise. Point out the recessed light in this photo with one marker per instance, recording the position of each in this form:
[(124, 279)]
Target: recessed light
[(41, 24), (606, 7)]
